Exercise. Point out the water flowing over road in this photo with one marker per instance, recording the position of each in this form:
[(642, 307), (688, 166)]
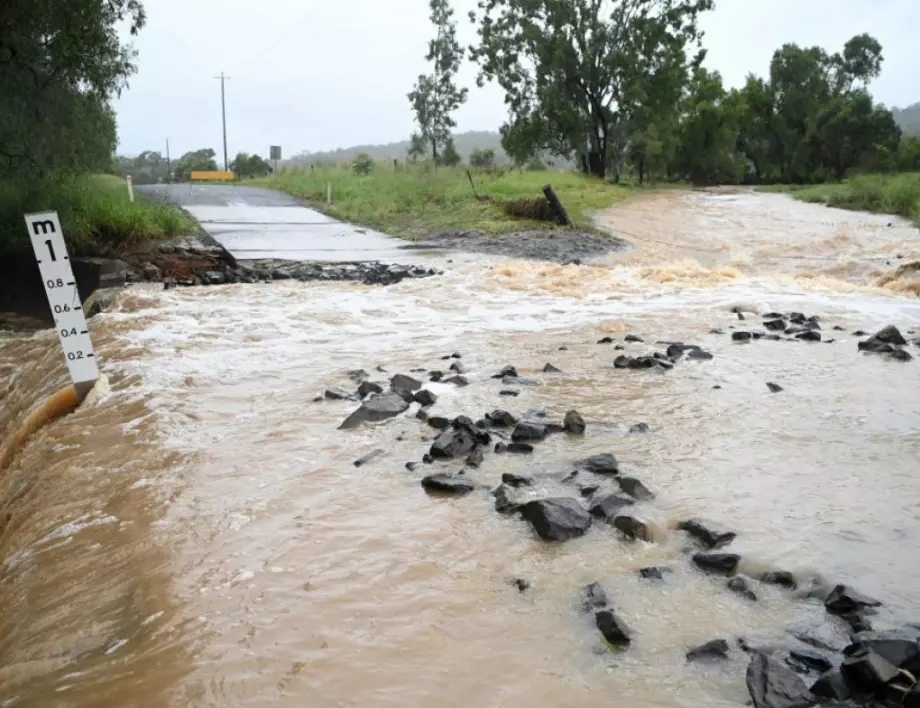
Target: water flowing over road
[(197, 533)]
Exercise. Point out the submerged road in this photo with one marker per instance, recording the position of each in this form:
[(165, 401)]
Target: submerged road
[(253, 223)]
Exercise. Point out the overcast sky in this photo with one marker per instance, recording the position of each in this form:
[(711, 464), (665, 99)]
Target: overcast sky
[(322, 74)]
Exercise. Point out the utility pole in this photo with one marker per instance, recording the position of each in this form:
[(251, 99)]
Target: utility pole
[(223, 110), (168, 168)]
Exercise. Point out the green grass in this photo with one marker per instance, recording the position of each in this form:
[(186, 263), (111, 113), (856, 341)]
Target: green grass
[(883, 194), (415, 201), (96, 215)]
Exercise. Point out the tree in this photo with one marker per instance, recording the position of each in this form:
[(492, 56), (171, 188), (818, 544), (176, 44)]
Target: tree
[(482, 157), (363, 164), (61, 62), (436, 96), (579, 76), (417, 148), (195, 161), (246, 165), (449, 156)]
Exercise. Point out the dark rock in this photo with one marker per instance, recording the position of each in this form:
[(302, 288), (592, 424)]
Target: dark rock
[(608, 506), (500, 448), (427, 459), (507, 392), (405, 394), (476, 457), (593, 597), (612, 629), (557, 519), (516, 481), (438, 422), (783, 578), (832, 684), (459, 381), (452, 442), (796, 317), (632, 527), (634, 488), (901, 355), (550, 369), (740, 585), (339, 394), (698, 354), (588, 491), (742, 336), (774, 316), (772, 684), (505, 501), (640, 428), (447, 483), (838, 328), (774, 387), (717, 562), (808, 660), (843, 600), (619, 348), (369, 387), (425, 397), (520, 448), (412, 466), (318, 399), (552, 428), (868, 670), (653, 573), (809, 336), (379, 406), (897, 646), (535, 414), (875, 346), (456, 355), (369, 457), (621, 362), (500, 418), (574, 423), (507, 372), (605, 463), (563, 348), (632, 338), (401, 382), (711, 535), (740, 316), (858, 621), (528, 431), (605, 340), (519, 381), (458, 367), (890, 335), (716, 330), (775, 325), (521, 584), (715, 649), (358, 375), (717, 387)]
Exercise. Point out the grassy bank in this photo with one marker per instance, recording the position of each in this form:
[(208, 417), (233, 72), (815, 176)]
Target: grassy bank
[(95, 213), (883, 194), (414, 200)]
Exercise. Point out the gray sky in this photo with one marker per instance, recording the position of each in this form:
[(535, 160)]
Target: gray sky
[(322, 74)]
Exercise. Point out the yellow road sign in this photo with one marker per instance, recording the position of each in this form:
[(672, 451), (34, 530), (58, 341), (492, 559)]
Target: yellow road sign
[(213, 175)]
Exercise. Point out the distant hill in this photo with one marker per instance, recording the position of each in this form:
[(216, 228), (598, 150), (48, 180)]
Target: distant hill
[(908, 118), (464, 142)]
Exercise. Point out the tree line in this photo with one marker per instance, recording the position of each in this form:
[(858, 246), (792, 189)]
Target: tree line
[(619, 86), (150, 167)]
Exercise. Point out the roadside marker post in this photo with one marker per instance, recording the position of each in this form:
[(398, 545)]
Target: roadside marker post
[(130, 189), (328, 192), (63, 298)]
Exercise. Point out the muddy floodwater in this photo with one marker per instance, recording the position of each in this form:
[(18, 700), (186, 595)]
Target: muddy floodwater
[(197, 534)]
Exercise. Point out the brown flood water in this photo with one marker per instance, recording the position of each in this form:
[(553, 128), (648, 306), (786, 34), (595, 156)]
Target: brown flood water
[(197, 535)]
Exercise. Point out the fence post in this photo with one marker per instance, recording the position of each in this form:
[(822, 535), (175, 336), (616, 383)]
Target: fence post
[(328, 193), (130, 189)]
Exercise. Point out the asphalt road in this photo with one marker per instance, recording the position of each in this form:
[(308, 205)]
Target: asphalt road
[(253, 223)]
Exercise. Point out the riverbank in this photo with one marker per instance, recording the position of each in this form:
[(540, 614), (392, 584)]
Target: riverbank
[(417, 202), (880, 194)]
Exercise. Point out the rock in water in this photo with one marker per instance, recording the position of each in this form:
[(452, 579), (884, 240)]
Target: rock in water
[(639, 428), (508, 372), (458, 367), (609, 505), (425, 397), (653, 573), (717, 562), (832, 685), (890, 335), (557, 519), (520, 448), (574, 423), (844, 600), (453, 442), (742, 336), (378, 407), (448, 484), (501, 419), (740, 585), (868, 670), (633, 338), (368, 387), (476, 457), (632, 527), (438, 422), (528, 432), (593, 597), (401, 382), (772, 684), (339, 394), (614, 631), (604, 463), (808, 660), (715, 649), (369, 457), (809, 336), (711, 535), (550, 369), (516, 481), (505, 501), (774, 387), (898, 647), (458, 381), (775, 325), (634, 488)]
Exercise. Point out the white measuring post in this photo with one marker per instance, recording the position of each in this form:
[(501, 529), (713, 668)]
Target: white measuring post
[(130, 189), (63, 297), (328, 192)]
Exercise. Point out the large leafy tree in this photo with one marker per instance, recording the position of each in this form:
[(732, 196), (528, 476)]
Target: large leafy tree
[(195, 161), (436, 96), (582, 77), (61, 61)]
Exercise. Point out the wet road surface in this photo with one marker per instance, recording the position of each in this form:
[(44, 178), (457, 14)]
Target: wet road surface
[(255, 224)]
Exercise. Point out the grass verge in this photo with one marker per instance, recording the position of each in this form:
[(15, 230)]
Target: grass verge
[(882, 194), (414, 201), (96, 215)]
